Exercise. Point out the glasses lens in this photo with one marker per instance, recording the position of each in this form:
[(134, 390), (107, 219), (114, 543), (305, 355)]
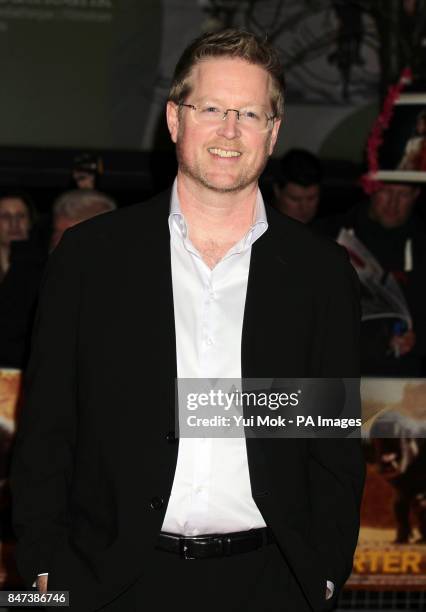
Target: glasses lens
[(209, 114), (253, 118)]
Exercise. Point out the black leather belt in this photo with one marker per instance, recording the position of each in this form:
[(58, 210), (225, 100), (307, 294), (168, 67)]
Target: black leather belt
[(215, 545)]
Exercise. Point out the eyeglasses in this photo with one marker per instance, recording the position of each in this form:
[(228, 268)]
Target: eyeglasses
[(253, 118)]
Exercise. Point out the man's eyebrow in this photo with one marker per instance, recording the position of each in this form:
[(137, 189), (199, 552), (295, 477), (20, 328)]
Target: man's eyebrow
[(213, 100)]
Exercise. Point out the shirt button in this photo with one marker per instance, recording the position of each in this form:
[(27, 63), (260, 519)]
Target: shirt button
[(156, 503), (171, 438)]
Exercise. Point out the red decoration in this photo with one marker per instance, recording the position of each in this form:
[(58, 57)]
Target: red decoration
[(375, 139)]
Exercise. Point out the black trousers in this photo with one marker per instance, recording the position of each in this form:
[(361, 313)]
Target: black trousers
[(258, 581)]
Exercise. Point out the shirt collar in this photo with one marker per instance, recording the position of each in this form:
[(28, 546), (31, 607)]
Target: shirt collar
[(260, 224)]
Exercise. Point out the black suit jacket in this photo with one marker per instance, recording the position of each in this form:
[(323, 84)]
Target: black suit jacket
[(93, 465)]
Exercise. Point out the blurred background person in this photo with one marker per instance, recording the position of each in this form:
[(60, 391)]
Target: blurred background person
[(386, 240), (297, 185), (21, 266), (15, 224), (86, 171), (387, 225), (75, 206), (414, 157)]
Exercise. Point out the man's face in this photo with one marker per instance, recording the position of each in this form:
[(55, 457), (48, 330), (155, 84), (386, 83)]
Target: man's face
[(421, 126), (84, 180), (62, 223), (14, 221), (391, 206), (298, 202), (226, 83), (409, 6)]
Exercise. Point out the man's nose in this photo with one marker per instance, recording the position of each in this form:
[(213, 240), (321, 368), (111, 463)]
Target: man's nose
[(15, 223), (393, 202), (229, 127)]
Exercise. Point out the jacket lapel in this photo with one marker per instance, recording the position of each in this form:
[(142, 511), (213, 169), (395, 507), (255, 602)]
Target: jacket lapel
[(269, 269), (149, 302)]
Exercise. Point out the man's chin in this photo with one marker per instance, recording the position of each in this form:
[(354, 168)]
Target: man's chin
[(220, 183), (392, 223), (225, 185), (225, 189)]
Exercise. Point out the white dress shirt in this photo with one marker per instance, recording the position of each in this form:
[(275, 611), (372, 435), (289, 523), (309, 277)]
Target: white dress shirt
[(211, 490)]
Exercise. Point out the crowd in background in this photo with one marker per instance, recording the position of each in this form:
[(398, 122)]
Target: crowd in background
[(386, 223), (24, 250)]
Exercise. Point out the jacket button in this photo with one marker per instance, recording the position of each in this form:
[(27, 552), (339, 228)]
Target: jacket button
[(156, 503), (171, 438)]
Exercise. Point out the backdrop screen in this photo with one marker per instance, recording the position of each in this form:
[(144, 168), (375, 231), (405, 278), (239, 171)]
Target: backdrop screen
[(77, 73)]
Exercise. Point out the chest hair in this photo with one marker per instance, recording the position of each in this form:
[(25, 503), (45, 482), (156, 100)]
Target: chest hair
[(212, 252)]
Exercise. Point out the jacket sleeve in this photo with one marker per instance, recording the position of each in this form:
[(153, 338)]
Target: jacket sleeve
[(42, 458), (337, 468)]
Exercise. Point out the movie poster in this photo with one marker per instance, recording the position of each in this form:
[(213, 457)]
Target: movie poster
[(391, 552), (402, 155), (10, 384)]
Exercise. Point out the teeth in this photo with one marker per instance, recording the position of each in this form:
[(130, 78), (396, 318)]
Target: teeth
[(223, 153)]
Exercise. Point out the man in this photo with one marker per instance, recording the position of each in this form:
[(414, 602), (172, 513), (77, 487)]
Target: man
[(298, 185), (194, 284), (75, 206), (87, 169), (15, 224), (21, 267), (386, 225)]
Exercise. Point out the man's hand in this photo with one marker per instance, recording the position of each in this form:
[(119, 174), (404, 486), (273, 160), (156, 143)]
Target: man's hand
[(42, 583), (329, 590), (403, 344)]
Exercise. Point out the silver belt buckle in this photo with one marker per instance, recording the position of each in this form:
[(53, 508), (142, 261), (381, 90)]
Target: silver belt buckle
[(185, 550)]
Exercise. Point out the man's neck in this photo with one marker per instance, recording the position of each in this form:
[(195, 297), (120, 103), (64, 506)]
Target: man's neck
[(223, 218)]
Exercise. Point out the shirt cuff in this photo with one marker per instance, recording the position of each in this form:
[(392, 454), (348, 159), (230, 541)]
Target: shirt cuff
[(34, 584), (330, 589)]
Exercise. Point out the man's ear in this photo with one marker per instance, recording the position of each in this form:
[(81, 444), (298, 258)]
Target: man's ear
[(274, 135), (172, 115)]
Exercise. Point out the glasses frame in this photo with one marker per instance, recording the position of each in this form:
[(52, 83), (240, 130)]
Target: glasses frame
[(235, 110)]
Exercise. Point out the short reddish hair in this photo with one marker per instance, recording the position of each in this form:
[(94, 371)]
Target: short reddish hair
[(230, 43)]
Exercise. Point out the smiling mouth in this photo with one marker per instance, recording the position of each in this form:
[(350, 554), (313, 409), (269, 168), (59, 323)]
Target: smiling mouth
[(223, 152)]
